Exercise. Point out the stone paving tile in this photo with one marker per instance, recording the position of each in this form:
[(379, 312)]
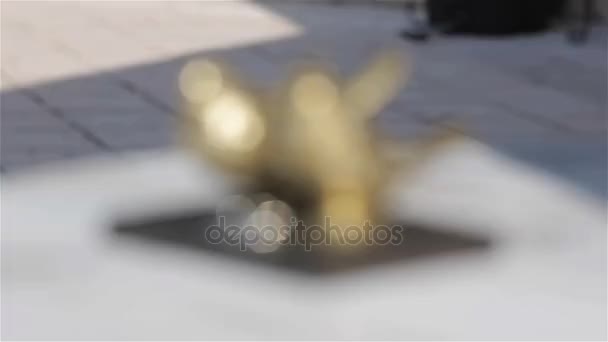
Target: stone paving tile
[(100, 116), (471, 82), (56, 140), (17, 101), (125, 137), (24, 119), (28, 130), (547, 59), (32, 136), (82, 93), (156, 86), (581, 158), (564, 74)]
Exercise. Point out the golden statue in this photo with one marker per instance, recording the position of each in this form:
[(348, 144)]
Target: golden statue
[(307, 142)]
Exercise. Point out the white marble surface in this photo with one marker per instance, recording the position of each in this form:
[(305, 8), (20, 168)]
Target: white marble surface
[(63, 278)]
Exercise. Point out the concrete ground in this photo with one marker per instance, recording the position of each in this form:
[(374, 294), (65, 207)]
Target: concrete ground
[(82, 80), (89, 78)]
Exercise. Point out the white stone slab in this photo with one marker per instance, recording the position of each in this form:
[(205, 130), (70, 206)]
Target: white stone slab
[(544, 276)]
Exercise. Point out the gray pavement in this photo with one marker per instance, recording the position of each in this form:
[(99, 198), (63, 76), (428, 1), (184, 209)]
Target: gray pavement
[(87, 78)]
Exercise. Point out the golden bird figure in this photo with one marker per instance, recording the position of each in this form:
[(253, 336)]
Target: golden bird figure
[(307, 143)]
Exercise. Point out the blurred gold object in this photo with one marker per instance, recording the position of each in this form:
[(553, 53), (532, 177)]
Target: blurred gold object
[(308, 142)]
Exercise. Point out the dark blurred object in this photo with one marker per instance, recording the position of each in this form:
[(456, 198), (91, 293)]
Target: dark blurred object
[(495, 17), (581, 21), (417, 21)]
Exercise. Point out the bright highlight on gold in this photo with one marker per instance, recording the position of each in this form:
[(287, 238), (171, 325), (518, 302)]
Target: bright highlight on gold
[(232, 124)]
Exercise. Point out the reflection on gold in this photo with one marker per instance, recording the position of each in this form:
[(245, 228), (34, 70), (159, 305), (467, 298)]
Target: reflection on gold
[(376, 85), (231, 124), (314, 94), (280, 208), (272, 220), (346, 208), (200, 81)]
